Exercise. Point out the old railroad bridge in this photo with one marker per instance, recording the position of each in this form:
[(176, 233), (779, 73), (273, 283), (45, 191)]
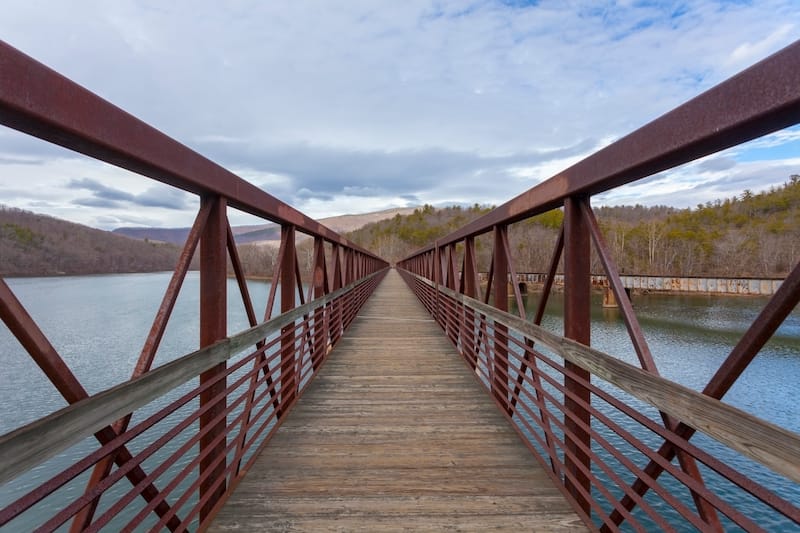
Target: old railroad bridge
[(396, 397)]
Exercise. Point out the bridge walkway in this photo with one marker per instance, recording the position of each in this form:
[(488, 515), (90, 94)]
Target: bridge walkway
[(395, 434)]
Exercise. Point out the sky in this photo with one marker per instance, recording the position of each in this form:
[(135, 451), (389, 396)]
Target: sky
[(356, 106)]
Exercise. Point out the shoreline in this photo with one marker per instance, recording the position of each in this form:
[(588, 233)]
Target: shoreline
[(530, 287)]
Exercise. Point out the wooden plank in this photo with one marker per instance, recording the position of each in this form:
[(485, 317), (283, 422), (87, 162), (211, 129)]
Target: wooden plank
[(774, 447), (396, 434), (427, 513)]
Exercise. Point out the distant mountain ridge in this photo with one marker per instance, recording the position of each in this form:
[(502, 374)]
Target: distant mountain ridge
[(33, 244), (39, 245), (170, 235), (263, 233)]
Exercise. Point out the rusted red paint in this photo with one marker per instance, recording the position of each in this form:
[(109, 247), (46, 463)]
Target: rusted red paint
[(148, 353), (760, 100), (500, 264), (288, 285), (706, 511), (577, 326), (757, 101), (213, 327), (237, 392), (38, 101)]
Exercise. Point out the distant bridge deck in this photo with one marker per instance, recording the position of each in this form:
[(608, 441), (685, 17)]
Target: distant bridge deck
[(396, 434)]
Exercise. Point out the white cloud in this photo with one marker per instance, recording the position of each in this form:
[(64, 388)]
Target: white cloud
[(93, 193), (778, 138), (340, 106), (708, 179), (749, 52)]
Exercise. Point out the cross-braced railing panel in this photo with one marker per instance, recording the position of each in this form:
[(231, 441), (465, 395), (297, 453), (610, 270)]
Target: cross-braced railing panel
[(259, 388), (210, 417), (524, 368), (556, 400)]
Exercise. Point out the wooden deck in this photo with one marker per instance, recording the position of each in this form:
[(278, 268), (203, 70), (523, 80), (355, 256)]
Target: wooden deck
[(396, 434)]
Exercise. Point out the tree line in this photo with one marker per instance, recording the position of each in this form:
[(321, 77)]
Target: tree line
[(749, 235)]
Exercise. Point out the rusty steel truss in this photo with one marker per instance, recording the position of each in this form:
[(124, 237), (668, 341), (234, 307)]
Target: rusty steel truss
[(235, 410), (760, 100), (174, 468)]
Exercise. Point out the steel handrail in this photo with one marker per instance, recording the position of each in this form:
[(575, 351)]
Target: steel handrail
[(39, 101), (31, 445), (760, 100)]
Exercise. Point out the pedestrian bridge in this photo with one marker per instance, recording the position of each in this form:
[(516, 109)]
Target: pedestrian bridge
[(398, 397), (396, 433)]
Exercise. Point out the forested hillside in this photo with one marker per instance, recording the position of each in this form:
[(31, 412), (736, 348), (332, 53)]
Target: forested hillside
[(752, 234), (398, 236), (39, 245)]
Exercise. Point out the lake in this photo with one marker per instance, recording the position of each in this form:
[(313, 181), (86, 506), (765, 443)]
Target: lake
[(99, 323), (690, 335)]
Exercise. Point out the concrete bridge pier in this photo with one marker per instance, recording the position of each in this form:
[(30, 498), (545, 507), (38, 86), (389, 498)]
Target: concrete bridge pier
[(610, 299)]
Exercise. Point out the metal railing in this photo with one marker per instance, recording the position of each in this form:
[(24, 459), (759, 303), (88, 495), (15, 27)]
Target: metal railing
[(212, 409), (561, 402)]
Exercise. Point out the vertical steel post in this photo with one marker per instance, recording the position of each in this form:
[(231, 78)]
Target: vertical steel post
[(213, 327), (469, 276), (452, 272), (320, 288), (500, 262), (470, 273), (448, 280), (349, 275), (338, 282), (288, 296), (337, 268), (345, 262), (577, 326), (437, 276)]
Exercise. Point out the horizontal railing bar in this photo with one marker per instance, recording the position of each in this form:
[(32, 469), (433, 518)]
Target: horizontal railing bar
[(759, 100), (31, 445), (782, 506), (774, 447), (39, 101), (634, 441), (186, 470)]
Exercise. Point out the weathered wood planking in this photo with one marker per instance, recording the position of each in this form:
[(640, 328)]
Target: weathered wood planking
[(395, 434)]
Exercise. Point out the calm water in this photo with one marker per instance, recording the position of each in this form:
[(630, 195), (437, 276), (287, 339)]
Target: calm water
[(99, 323), (690, 336)]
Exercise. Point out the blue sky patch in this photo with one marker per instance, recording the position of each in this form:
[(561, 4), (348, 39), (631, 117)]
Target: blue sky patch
[(771, 147)]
